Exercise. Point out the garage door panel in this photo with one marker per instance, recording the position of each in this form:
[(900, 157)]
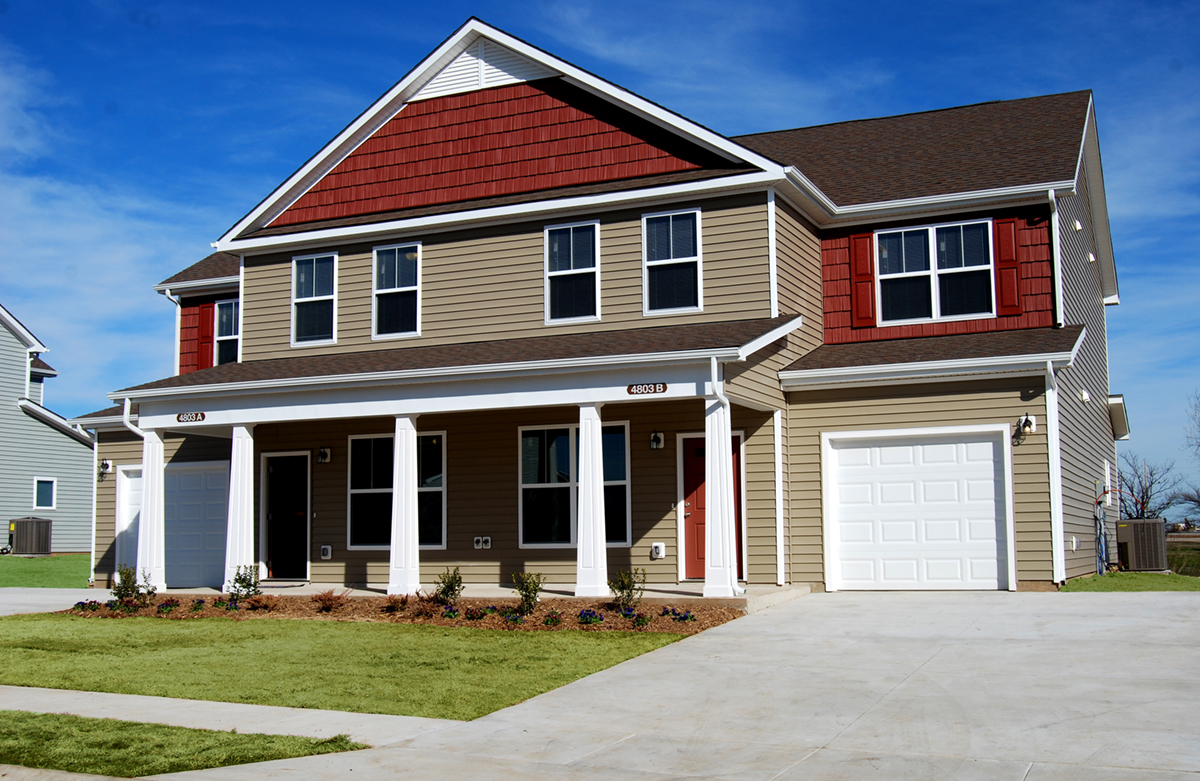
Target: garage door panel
[(195, 520), (920, 513)]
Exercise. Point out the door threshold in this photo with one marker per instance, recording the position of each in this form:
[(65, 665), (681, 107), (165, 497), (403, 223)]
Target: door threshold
[(282, 582)]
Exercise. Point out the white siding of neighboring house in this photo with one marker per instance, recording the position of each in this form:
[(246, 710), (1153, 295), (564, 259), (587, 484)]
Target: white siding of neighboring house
[(29, 449)]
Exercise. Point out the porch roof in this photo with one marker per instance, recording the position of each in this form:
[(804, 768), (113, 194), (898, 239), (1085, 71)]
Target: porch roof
[(735, 340)]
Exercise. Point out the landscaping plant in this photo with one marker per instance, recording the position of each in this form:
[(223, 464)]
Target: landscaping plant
[(266, 602), (245, 583), (529, 586), (553, 618), (167, 605), (394, 603), (197, 605), (128, 588), (627, 587), (449, 586), (589, 616), (329, 601)]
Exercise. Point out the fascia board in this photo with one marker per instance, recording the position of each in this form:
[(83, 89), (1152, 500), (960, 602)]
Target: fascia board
[(194, 286), (497, 214), (43, 372), (26, 337), (1090, 164), (101, 423), (754, 345), (54, 420), (1118, 414), (443, 374), (927, 370)]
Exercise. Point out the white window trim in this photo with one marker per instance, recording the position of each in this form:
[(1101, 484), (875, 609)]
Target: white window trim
[(217, 338), (573, 433), (547, 273), (932, 273), (375, 291), (699, 260), (53, 481), (350, 491), (334, 297)]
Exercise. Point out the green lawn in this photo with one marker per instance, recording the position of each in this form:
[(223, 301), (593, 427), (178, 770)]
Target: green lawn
[(1134, 581), (69, 571), (439, 672), (129, 748), (1183, 557)]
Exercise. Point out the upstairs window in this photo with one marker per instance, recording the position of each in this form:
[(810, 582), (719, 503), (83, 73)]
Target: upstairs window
[(935, 273), (314, 299), (398, 291), (572, 272), (225, 349), (673, 275)]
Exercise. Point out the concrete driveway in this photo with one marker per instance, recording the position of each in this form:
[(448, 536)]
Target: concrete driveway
[(1020, 687), (46, 600)]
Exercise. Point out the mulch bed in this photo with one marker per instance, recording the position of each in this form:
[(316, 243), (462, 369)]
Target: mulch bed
[(496, 613)]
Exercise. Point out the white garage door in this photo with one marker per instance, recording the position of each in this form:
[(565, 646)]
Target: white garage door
[(197, 503), (919, 513)]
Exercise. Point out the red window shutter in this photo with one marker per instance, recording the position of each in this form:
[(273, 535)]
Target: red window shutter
[(862, 280), (1008, 268), (205, 358)]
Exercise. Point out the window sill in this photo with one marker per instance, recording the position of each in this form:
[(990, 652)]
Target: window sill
[(927, 320), (393, 337), (666, 312), (572, 320), (314, 343)]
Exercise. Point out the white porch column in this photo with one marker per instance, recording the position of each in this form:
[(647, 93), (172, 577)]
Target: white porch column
[(591, 550), (404, 570), (151, 546), (239, 533), (720, 562)]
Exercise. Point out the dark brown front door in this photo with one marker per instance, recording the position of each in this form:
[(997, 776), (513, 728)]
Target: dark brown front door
[(287, 517), (694, 508)]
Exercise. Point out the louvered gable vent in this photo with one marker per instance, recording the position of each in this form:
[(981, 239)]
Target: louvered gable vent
[(484, 64)]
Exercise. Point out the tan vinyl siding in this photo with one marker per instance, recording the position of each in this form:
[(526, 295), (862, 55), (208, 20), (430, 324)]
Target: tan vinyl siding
[(123, 448), (799, 269), (904, 407), (482, 493), (487, 283), (1086, 429)]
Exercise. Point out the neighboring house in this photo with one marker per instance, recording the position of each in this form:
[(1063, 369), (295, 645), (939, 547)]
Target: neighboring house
[(515, 317), (46, 463)]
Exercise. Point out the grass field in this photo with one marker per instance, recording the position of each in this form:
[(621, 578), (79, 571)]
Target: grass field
[(127, 748), (438, 672), (69, 571), (1134, 581), (1183, 557)]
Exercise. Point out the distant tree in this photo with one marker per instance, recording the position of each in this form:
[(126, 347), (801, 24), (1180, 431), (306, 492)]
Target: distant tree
[(1148, 488), (1192, 432), (1189, 498)]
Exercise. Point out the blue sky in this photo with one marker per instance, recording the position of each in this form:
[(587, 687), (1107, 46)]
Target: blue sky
[(133, 134)]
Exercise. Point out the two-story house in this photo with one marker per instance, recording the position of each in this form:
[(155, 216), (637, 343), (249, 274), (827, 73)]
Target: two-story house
[(46, 462), (515, 317)]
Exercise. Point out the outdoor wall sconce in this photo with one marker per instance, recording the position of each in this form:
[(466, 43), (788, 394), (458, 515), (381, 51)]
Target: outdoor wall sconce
[(656, 440), (102, 470), (1025, 426), (324, 455)]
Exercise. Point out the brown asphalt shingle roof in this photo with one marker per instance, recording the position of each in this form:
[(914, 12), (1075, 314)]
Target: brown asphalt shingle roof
[(39, 365), (111, 412), (596, 344), (215, 266), (957, 347), (980, 147)]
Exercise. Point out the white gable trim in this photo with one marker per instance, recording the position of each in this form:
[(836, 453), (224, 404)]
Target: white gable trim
[(23, 334), (427, 71)]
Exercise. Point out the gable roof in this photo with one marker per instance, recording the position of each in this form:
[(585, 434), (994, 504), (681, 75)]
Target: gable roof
[(220, 270), (40, 367), (23, 334), (527, 60), (986, 146)]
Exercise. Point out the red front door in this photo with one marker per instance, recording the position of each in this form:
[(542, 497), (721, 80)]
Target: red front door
[(694, 509)]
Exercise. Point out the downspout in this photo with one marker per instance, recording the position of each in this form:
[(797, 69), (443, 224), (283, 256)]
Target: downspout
[(178, 324), (735, 548), (129, 424), (1054, 448), (30, 354), (1056, 260), (95, 477)]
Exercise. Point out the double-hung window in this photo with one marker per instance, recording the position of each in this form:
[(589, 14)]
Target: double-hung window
[(573, 272), (550, 485), (314, 299), (45, 493), (673, 275), (937, 272), (397, 291), (370, 493), (225, 348)]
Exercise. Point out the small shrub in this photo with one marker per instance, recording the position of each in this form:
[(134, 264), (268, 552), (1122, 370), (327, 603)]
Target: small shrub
[(197, 605), (127, 586), (450, 612), (641, 620), (449, 586), (245, 583), (475, 614), (553, 618), (675, 615), (394, 603), (428, 606), (264, 602), (588, 616), (329, 601), (529, 586), (627, 587), (167, 605)]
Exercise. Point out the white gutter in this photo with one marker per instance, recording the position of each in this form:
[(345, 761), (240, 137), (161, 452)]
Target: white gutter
[(198, 285), (178, 324), (129, 423), (54, 420), (1054, 446), (1056, 259), (735, 548)]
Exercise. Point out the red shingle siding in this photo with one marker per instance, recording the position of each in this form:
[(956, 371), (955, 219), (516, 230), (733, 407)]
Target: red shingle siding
[(512, 139), (1037, 289)]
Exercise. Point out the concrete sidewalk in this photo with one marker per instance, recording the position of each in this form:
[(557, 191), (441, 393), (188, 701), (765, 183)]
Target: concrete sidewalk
[(14, 601)]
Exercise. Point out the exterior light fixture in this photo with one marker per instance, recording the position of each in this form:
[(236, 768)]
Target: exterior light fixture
[(656, 440), (324, 455), (1026, 425)]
